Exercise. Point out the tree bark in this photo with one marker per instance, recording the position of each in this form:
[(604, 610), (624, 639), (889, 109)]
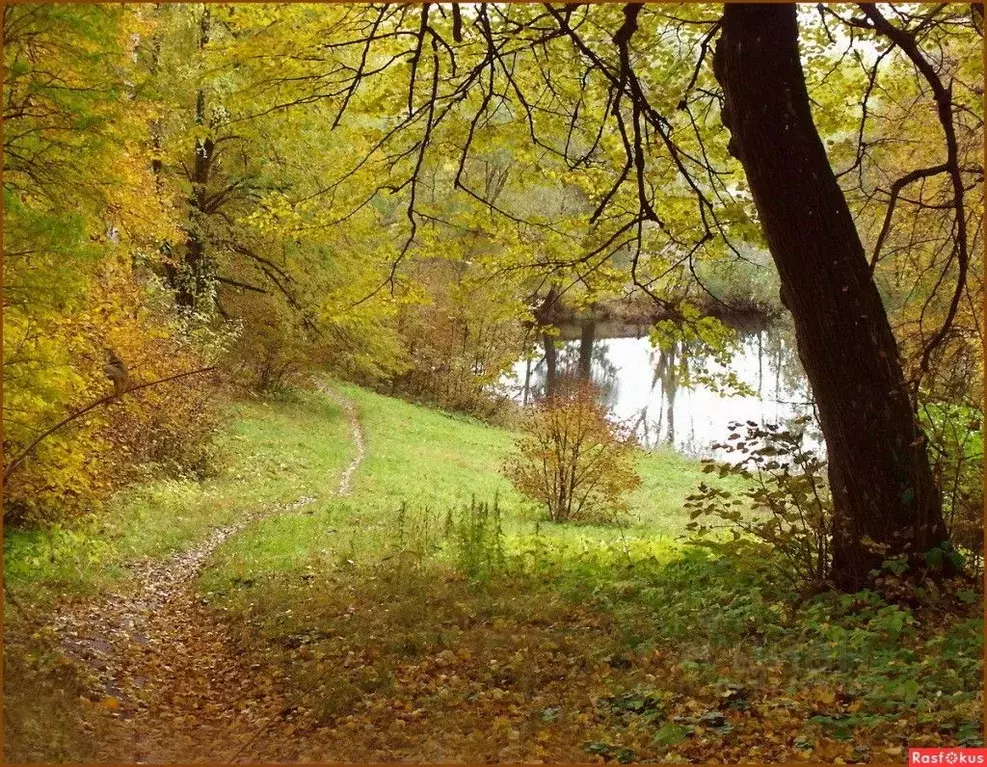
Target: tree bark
[(545, 317), (193, 276), (587, 336), (886, 502), (551, 365)]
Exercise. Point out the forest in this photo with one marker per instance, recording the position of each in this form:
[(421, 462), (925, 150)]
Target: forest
[(492, 382)]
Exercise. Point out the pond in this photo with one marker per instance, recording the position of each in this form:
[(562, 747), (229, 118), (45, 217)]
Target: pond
[(673, 397)]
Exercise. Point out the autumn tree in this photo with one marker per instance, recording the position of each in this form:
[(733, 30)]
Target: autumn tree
[(607, 99), (573, 460), (878, 468), (81, 228)]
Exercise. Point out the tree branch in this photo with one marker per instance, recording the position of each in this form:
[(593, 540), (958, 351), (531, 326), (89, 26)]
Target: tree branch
[(19, 460)]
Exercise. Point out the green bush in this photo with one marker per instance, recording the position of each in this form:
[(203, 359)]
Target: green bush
[(785, 502)]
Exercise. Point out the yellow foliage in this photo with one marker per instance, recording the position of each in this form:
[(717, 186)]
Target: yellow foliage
[(54, 367), (573, 460)]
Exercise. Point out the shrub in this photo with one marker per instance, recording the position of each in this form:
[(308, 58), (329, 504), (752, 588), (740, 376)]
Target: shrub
[(460, 342), (956, 451), (163, 430), (784, 500), (573, 460), (272, 352)]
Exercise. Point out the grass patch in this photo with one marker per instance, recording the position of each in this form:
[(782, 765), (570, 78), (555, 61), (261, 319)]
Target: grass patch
[(419, 459), (270, 453)]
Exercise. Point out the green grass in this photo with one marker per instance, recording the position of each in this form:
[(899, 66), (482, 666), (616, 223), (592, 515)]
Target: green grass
[(640, 610), (430, 462), (357, 593), (276, 452), (270, 453)]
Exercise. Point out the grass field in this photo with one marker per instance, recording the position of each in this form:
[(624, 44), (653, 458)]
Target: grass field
[(418, 624), (271, 453), (424, 463), (530, 622)]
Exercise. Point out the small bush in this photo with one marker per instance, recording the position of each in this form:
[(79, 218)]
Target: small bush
[(785, 501), (573, 460), (272, 352)]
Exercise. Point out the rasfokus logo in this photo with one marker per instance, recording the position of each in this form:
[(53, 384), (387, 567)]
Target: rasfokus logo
[(947, 756)]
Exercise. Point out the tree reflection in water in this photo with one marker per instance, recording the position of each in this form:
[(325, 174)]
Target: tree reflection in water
[(678, 396)]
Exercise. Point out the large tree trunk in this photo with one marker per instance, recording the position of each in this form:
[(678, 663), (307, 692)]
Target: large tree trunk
[(884, 494)]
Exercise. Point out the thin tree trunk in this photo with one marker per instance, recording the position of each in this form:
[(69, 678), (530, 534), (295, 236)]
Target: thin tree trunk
[(545, 317), (670, 384), (883, 489), (192, 279), (527, 383), (587, 337), (551, 365)]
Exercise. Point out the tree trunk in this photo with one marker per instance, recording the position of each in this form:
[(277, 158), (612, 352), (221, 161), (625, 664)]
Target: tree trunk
[(551, 365), (191, 279), (587, 335), (545, 317), (885, 498)]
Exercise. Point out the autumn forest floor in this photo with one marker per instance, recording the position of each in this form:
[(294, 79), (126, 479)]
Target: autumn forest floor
[(359, 583)]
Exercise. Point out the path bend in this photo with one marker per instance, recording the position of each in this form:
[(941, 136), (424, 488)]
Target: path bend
[(137, 643)]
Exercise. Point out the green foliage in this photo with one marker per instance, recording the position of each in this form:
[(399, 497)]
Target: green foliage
[(784, 503), (694, 342), (476, 533), (956, 449)]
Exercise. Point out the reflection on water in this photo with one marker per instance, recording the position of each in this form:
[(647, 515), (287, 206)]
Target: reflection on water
[(672, 397)]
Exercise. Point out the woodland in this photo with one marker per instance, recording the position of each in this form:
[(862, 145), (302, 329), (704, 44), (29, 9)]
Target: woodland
[(492, 382)]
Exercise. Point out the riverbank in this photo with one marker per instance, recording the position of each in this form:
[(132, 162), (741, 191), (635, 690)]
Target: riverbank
[(636, 314)]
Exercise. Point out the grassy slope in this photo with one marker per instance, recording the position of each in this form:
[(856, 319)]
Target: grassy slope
[(370, 615), (277, 452), (271, 453), (415, 654), (435, 461)]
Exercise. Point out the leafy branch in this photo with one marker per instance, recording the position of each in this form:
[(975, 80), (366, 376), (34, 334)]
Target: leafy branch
[(16, 463)]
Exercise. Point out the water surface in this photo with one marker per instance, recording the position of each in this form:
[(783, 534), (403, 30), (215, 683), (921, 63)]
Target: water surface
[(665, 395)]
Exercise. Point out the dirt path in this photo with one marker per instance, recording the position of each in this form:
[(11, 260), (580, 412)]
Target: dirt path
[(356, 430), (162, 630)]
